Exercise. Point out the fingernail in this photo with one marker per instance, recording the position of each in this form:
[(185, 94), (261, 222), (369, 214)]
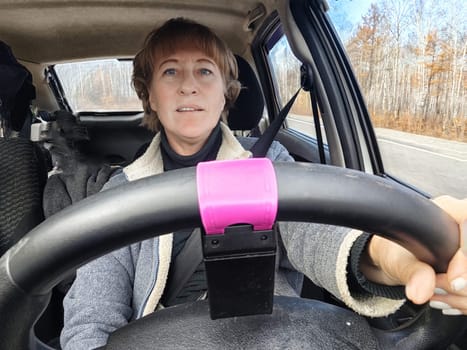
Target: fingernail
[(458, 284), (435, 304), (440, 291), (452, 312)]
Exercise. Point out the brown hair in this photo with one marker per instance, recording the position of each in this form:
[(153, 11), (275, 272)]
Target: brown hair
[(173, 35)]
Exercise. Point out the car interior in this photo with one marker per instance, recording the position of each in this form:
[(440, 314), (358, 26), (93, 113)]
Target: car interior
[(54, 157)]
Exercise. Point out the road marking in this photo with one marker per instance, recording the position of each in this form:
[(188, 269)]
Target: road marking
[(441, 144), (423, 150), (380, 139)]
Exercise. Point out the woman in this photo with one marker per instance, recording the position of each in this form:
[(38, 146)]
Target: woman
[(186, 79)]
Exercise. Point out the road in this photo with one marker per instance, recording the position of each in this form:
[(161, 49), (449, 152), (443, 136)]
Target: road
[(436, 166)]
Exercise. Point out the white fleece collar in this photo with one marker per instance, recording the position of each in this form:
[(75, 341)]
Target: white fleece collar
[(150, 163)]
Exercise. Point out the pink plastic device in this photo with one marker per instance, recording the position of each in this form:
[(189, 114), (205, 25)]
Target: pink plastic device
[(237, 192)]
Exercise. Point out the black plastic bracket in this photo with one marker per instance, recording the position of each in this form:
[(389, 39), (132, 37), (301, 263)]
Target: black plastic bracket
[(306, 77), (240, 266)]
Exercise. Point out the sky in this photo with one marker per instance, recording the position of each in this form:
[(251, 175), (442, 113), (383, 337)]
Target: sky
[(443, 15), (356, 13), (347, 13), (353, 8)]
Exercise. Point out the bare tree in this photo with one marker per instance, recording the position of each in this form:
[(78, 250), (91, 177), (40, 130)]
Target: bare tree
[(410, 59)]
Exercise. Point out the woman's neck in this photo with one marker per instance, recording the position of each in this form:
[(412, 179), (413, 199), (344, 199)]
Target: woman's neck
[(174, 160)]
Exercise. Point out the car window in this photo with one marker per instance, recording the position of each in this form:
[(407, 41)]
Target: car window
[(409, 59), (285, 72), (98, 85)]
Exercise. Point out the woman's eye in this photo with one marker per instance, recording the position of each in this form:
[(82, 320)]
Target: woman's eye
[(205, 71), (169, 71)]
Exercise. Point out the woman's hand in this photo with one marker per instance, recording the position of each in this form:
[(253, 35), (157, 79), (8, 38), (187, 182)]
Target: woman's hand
[(388, 263)]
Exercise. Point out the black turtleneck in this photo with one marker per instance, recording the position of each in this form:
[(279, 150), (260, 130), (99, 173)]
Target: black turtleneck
[(173, 160)]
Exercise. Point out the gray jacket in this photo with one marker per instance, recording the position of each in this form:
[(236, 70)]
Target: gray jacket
[(128, 283)]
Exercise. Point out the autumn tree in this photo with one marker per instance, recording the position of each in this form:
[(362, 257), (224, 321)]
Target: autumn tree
[(409, 57)]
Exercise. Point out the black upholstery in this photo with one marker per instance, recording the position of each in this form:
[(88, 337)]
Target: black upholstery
[(248, 109), (16, 89), (23, 169), (23, 174)]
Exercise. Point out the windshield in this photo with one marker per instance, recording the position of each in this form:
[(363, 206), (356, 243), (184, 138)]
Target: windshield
[(98, 86)]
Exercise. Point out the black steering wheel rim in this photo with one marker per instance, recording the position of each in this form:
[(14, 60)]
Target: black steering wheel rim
[(137, 211)]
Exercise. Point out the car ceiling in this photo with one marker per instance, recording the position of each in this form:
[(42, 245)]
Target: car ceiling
[(41, 31)]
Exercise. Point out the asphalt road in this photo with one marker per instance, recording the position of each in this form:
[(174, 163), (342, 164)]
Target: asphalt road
[(436, 166)]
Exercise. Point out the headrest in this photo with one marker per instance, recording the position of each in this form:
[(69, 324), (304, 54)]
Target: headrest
[(16, 89), (248, 109)]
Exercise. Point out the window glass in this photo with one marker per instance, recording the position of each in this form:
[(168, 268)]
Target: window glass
[(285, 70), (98, 86), (409, 59)]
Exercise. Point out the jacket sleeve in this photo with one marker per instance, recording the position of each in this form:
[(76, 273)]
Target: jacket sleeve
[(99, 301), (276, 152), (322, 253)]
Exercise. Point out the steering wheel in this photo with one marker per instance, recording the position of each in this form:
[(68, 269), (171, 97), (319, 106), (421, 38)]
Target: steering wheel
[(168, 202)]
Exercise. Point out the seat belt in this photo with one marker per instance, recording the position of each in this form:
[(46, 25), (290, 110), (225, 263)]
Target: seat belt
[(261, 146), (184, 265), (319, 135)]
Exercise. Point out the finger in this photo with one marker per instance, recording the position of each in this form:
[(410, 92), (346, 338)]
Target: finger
[(420, 282), (457, 272), (450, 297), (444, 286), (455, 280), (449, 303), (400, 267), (457, 208)]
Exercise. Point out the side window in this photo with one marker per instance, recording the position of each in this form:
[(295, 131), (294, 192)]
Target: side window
[(409, 59), (285, 72)]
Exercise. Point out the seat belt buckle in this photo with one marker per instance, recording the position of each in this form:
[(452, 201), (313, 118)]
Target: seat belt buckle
[(240, 267)]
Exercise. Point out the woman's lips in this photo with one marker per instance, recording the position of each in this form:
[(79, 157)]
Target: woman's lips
[(189, 109)]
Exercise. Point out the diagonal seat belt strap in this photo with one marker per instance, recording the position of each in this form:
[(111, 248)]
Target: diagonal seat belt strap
[(184, 265), (319, 135), (260, 148)]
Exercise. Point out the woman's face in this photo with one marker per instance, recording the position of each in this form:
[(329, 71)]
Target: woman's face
[(187, 92)]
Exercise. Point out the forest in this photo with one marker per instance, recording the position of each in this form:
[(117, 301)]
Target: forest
[(410, 60)]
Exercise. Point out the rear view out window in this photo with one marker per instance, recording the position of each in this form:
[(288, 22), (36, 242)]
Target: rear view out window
[(98, 86)]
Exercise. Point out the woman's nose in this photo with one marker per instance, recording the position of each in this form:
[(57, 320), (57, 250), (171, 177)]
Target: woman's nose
[(188, 85)]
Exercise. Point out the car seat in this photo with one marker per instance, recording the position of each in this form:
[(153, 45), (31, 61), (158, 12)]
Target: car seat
[(23, 170), (23, 175), (248, 109)]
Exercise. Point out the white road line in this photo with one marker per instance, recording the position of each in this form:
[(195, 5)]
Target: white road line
[(423, 150), (381, 139), (442, 144)]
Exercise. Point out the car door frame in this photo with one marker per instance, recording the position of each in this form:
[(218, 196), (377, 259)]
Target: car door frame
[(345, 116)]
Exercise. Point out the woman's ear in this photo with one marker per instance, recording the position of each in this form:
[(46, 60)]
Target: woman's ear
[(152, 101)]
